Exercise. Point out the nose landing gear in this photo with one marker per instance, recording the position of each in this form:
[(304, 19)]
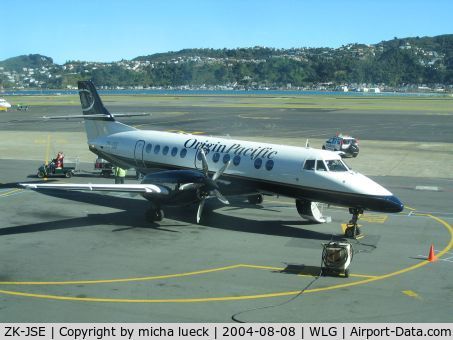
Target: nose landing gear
[(352, 228)]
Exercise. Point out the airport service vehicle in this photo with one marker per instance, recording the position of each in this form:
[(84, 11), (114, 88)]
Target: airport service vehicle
[(346, 146), (184, 169), (47, 170), (4, 105), (21, 107), (104, 166)]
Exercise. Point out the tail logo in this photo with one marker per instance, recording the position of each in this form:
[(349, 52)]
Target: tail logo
[(87, 100)]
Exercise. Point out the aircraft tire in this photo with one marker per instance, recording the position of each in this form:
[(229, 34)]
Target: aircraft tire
[(159, 215), (154, 215), (255, 199)]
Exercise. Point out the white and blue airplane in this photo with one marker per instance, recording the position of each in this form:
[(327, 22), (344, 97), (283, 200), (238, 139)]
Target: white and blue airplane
[(183, 169)]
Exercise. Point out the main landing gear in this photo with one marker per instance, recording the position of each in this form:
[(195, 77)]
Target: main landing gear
[(154, 214), (352, 228)]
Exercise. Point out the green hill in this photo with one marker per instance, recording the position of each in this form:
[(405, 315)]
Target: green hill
[(393, 63), (27, 61)]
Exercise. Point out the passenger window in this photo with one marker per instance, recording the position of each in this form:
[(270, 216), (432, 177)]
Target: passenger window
[(269, 165), (174, 151), (216, 157), (149, 147), (165, 150), (236, 160), (226, 158), (258, 163), (156, 149), (183, 153), (309, 164), (320, 166)]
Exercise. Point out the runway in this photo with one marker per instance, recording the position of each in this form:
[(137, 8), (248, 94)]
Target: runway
[(315, 117), (85, 257)]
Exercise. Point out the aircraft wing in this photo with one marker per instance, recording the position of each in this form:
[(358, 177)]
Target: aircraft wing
[(132, 188)]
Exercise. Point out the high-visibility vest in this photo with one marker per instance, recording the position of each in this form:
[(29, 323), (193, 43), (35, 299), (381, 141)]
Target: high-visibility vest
[(119, 172)]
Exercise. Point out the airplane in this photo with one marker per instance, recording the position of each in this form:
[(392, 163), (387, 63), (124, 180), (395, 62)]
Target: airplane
[(4, 105), (183, 169)]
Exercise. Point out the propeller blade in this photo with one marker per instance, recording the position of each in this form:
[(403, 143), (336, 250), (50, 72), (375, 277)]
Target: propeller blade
[(221, 171), (204, 162), (220, 197), (210, 184), (200, 210)]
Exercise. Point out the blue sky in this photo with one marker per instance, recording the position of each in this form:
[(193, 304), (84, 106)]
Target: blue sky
[(111, 30)]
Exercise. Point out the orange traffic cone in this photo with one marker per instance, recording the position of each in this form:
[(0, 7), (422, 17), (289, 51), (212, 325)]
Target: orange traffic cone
[(432, 257)]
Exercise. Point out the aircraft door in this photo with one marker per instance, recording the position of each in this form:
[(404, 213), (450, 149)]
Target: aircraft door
[(138, 154)]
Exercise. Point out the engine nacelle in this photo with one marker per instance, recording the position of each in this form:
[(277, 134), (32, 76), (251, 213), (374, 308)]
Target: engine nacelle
[(310, 211)]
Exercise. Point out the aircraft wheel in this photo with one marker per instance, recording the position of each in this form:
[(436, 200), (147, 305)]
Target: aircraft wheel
[(349, 232), (255, 199), (352, 232), (159, 215), (346, 273), (154, 215)]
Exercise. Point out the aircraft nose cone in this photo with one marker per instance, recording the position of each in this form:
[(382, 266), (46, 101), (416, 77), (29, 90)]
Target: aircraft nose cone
[(394, 204)]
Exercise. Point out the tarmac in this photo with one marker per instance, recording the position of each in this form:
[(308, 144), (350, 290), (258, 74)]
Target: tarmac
[(90, 257)]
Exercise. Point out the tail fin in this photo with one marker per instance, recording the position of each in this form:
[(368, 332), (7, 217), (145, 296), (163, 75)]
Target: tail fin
[(91, 102), (98, 120)]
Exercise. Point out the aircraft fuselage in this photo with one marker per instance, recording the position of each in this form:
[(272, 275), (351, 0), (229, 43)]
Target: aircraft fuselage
[(255, 167)]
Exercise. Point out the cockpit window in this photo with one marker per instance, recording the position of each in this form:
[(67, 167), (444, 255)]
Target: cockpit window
[(309, 164), (320, 166), (336, 165)]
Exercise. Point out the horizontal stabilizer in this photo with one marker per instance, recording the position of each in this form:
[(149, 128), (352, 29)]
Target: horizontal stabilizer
[(96, 116), (132, 188)]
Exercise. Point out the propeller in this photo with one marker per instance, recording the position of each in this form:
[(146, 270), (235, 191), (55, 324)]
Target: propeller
[(208, 188)]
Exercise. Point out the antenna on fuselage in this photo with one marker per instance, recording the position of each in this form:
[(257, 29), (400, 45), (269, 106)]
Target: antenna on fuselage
[(307, 144)]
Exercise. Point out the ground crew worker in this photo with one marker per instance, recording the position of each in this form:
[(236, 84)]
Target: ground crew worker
[(120, 174), (59, 160)]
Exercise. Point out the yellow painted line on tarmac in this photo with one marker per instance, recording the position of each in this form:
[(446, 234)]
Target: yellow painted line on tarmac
[(374, 218), (8, 193), (411, 293), (364, 276), (47, 150), (240, 297), (307, 275), (146, 278), (260, 267)]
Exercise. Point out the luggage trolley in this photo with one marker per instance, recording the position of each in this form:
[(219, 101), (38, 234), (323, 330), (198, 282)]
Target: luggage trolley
[(336, 258)]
